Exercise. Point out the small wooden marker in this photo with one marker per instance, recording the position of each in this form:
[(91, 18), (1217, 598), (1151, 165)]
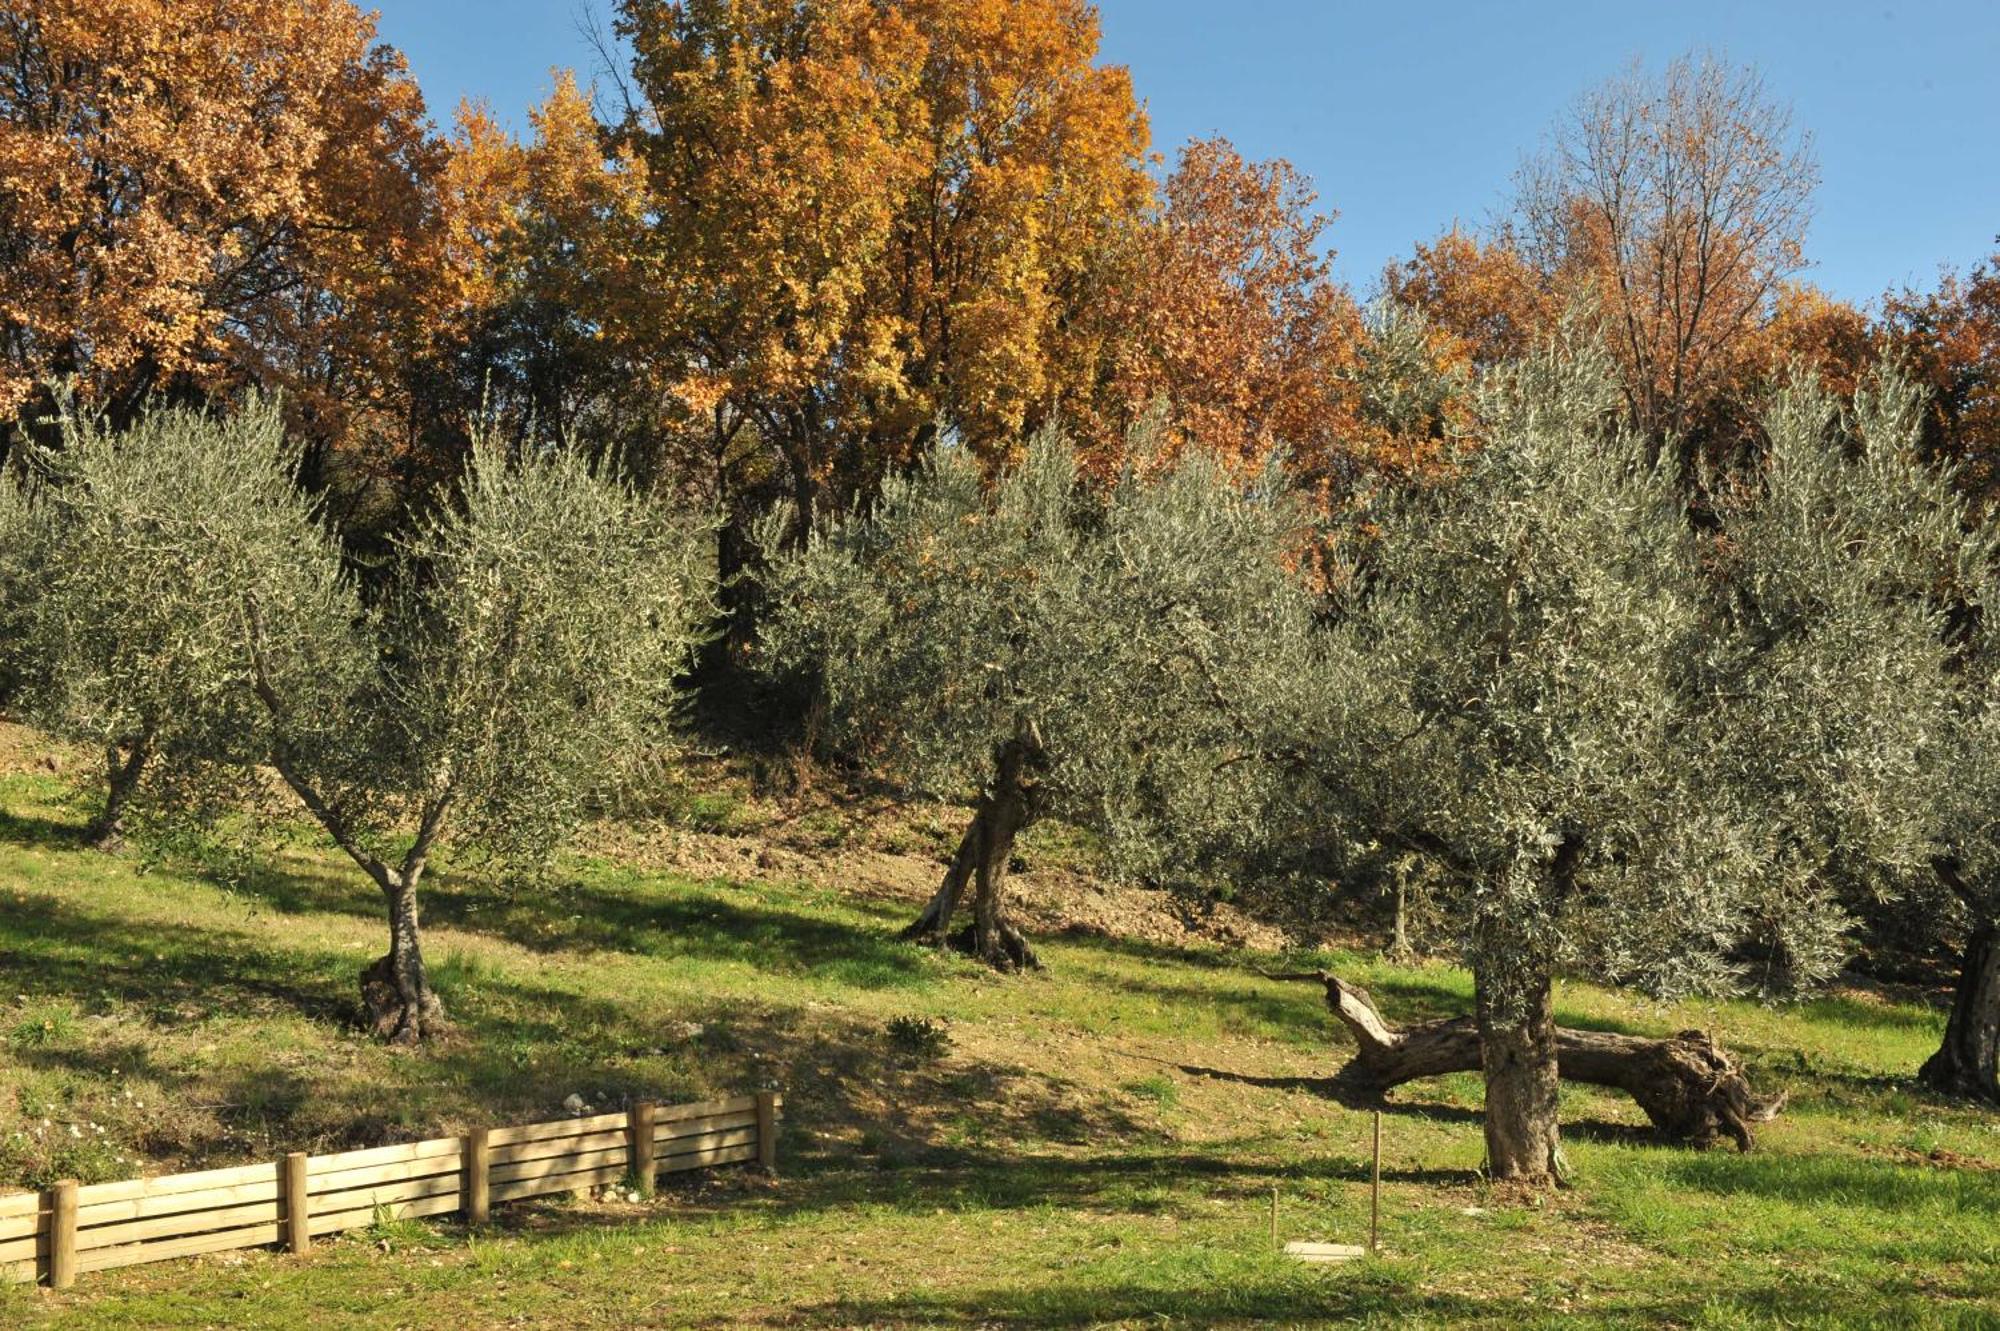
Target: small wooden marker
[(478, 1161), (298, 1204), (1274, 1215), (639, 1138), (1323, 1252), (62, 1234), (1375, 1190), (767, 1131)]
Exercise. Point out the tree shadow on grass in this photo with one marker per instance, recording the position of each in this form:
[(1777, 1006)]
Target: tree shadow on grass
[(717, 920), (1364, 1294), (815, 1183), (170, 973), (522, 1044), (1211, 958), (1844, 1011), (1812, 1180), (33, 831), (1356, 1294)]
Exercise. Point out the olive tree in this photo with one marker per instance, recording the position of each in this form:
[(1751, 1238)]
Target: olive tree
[(193, 610), (1864, 720), (527, 654), (1061, 651), (1967, 882), (127, 559), (1841, 561), (1936, 571), (1518, 692), (1863, 598)]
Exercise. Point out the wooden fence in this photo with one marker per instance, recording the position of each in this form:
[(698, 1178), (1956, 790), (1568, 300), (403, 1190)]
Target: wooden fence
[(68, 1228)]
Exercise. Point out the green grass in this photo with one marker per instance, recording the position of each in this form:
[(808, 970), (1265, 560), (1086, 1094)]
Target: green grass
[(1093, 1146)]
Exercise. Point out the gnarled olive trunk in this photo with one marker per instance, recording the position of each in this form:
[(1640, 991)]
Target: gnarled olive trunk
[(1515, 1017), (124, 765), (1690, 1088), (1007, 806), (395, 989), (1968, 1062)]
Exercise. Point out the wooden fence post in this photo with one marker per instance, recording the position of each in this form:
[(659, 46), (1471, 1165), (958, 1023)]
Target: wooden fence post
[(62, 1234), (639, 1145), (767, 1131), (478, 1204), (298, 1203)]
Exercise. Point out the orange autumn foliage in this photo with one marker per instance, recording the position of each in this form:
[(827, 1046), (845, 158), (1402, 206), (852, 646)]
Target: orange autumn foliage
[(552, 222), (196, 194), (1224, 310), (771, 155), (1482, 296), (824, 229), (1033, 166), (866, 217), (1811, 330), (1950, 339)]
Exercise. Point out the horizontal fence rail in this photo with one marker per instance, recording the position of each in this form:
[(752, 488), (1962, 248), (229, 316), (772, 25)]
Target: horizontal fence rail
[(54, 1234)]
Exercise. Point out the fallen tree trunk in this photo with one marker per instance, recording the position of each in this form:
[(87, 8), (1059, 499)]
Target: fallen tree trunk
[(1691, 1089)]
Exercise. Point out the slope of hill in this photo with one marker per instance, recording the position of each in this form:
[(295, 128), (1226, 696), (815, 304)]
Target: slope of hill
[(1094, 1145)]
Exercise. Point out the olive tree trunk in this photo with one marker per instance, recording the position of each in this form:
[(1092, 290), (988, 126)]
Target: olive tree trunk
[(1690, 1088), (1967, 1063), (1007, 806), (124, 765), (395, 989), (1515, 1018)]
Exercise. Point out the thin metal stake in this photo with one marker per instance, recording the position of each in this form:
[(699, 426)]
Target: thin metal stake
[(1274, 1215), (1375, 1189)]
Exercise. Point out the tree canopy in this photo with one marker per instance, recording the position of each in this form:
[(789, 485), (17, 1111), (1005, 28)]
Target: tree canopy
[(1067, 654), (186, 608), (1518, 692), (131, 554), (196, 197)]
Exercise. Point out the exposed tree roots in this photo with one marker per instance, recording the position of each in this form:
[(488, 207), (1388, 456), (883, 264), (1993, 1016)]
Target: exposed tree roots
[(398, 1010)]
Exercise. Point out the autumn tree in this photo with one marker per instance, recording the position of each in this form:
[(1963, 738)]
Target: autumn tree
[(869, 217), (1950, 338), (1816, 333), (1479, 293), (1060, 653), (198, 195), (1676, 205), (1223, 306), (1032, 165), (552, 221)]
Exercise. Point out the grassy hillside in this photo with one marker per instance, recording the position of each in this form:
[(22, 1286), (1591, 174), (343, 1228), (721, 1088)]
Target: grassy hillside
[(1096, 1146)]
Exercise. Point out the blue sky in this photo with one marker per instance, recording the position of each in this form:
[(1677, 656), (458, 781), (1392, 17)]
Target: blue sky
[(1410, 115)]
